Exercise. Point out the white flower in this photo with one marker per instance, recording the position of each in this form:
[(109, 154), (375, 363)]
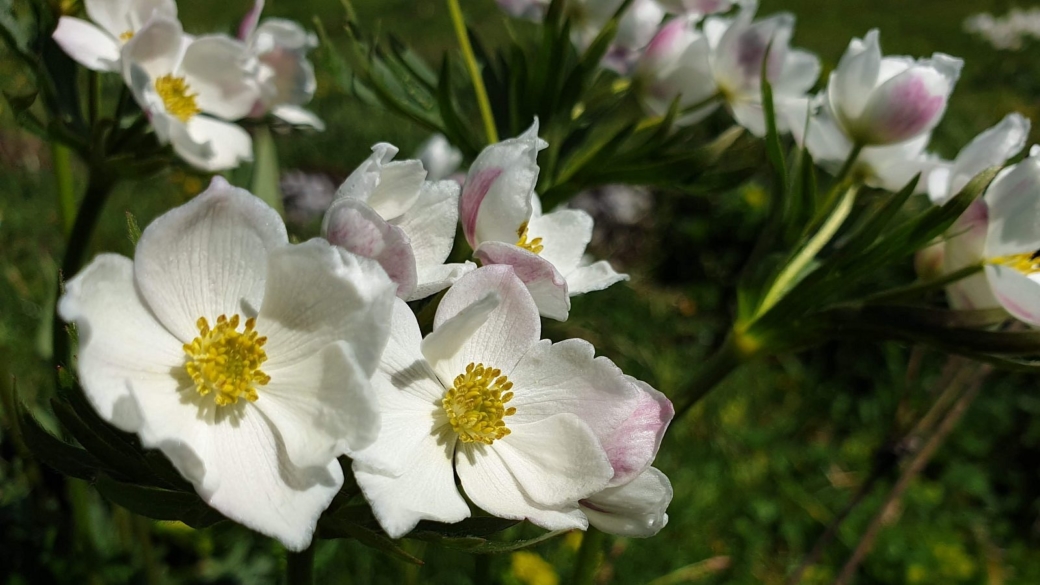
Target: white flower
[(388, 211), (285, 76), (177, 79), (966, 239), (635, 501), (702, 7), (502, 220), (245, 359), (1012, 251), (97, 45), (725, 59), (520, 421), (879, 101), (439, 157)]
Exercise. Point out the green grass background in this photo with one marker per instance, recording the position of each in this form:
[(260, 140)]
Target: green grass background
[(759, 467)]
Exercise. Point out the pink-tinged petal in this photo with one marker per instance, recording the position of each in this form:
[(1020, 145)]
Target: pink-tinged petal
[(431, 223), (509, 330), (217, 68), (496, 199), (87, 44), (741, 50), (909, 104), (250, 20), (636, 509), (207, 257), (546, 285), (965, 246), (633, 446), (317, 294), (677, 64), (1019, 294), (120, 341), (390, 188), (555, 461), (357, 228), (855, 77), (286, 76)]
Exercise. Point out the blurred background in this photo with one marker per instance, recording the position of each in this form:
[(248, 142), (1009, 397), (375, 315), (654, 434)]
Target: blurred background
[(760, 468)]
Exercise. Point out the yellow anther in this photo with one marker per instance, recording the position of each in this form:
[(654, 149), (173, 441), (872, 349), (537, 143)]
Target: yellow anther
[(226, 362), (534, 245), (1027, 262), (126, 36), (174, 93), (475, 405)]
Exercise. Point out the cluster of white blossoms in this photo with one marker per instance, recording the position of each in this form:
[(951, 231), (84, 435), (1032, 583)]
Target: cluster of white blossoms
[(1009, 32), (192, 88), (254, 363)]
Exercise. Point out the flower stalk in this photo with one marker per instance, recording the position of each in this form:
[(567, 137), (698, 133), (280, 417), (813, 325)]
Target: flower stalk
[(299, 567), (587, 564), (474, 72)]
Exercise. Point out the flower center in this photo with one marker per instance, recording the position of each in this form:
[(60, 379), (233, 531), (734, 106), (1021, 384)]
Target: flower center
[(476, 404), (225, 361), (534, 245), (126, 36), (1027, 262), (174, 93)]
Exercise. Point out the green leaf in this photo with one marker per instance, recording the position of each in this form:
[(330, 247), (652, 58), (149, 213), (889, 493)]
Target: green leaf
[(115, 454), (133, 230), (55, 453), (265, 170), (455, 130), (158, 503), (474, 527), (774, 150), (476, 545), (369, 537)]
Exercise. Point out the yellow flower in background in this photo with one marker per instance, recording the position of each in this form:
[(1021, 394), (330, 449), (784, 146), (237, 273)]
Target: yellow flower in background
[(531, 569)]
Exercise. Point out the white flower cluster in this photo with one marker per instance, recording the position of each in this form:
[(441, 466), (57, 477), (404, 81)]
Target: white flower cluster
[(1008, 32), (192, 88), (254, 363)]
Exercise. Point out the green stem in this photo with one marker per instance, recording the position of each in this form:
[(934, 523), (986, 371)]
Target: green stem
[(93, 98), (849, 163), (718, 367), (98, 188), (61, 158), (809, 251), (587, 564), (474, 72), (299, 568)]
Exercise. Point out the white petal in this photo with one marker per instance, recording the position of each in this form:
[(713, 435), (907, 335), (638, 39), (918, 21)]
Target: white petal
[(424, 491), (430, 223), (156, 49), (281, 46), (496, 199), (238, 463), (634, 445), (596, 276), (965, 246), (444, 344), (990, 148), (410, 396), (439, 157), (552, 462), (565, 234), (122, 16), (298, 116), (247, 27), (211, 144), (738, 58), (855, 77), (434, 279), (354, 226), (1013, 200), (636, 509), (1018, 293), (545, 284), (90, 46), (120, 342), (317, 294), (892, 167), (509, 331), (398, 188), (800, 71), (207, 257), (325, 405), (216, 68), (565, 377)]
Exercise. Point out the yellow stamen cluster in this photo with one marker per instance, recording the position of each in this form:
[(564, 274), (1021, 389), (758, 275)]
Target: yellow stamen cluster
[(534, 245), (174, 93), (227, 362), (1027, 263), (476, 404), (126, 36)]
